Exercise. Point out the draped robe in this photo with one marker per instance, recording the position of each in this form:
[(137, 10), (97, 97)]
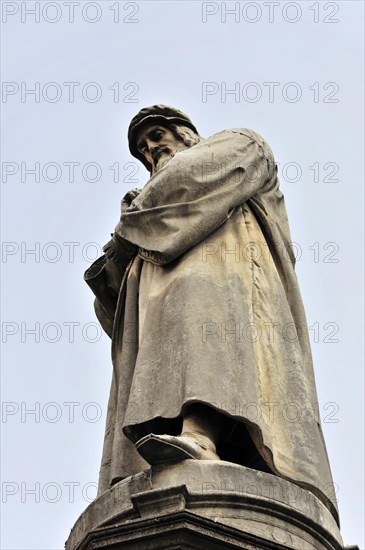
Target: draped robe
[(209, 311)]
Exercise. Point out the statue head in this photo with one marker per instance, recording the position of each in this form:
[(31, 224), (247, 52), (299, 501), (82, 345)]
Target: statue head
[(156, 133)]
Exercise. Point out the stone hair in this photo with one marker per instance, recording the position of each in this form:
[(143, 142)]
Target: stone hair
[(185, 134)]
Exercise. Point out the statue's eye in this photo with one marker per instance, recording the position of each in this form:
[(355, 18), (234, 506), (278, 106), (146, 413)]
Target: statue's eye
[(157, 135)]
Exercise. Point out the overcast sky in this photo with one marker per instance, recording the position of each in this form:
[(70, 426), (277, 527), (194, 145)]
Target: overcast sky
[(295, 72)]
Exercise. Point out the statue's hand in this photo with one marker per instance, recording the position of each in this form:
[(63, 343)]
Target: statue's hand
[(120, 250), (129, 198)]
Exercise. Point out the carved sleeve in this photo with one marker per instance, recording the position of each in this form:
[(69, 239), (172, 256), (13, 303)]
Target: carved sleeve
[(194, 193)]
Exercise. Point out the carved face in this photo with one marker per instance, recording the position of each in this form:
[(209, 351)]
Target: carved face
[(158, 144)]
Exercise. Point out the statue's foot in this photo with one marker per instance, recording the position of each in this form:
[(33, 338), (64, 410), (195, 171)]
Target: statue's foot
[(157, 449)]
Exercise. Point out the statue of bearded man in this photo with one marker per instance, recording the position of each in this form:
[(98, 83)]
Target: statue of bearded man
[(198, 293)]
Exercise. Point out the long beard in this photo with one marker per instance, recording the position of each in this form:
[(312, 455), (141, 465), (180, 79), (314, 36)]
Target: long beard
[(163, 160), (167, 156)]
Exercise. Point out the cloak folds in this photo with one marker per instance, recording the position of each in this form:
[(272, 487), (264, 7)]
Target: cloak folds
[(209, 311)]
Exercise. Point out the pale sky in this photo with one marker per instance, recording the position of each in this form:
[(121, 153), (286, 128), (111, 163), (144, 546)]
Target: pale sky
[(295, 70)]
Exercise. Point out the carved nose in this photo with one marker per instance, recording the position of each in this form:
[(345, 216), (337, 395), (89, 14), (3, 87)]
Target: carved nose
[(150, 146)]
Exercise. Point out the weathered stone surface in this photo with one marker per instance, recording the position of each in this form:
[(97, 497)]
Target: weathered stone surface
[(197, 289), (211, 357), (206, 504)]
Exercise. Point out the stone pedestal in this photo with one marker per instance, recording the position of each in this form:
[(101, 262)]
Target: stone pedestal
[(205, 505)]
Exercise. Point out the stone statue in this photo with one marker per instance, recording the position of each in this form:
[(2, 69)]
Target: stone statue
[(198, 293)]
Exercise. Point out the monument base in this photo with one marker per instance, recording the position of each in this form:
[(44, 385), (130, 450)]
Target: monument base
[(202, 505)]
